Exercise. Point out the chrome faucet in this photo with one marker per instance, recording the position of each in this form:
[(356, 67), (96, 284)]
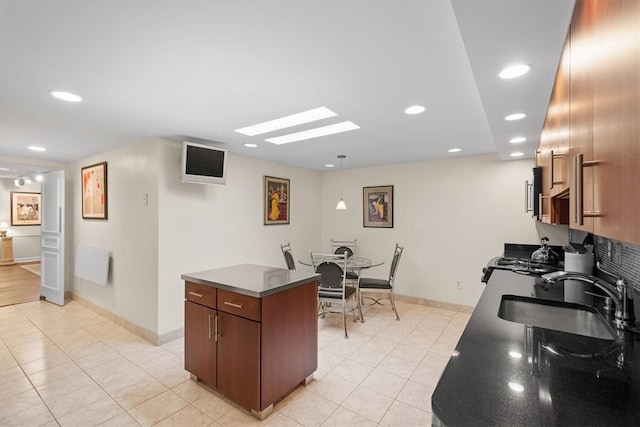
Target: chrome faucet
[(623, 318)]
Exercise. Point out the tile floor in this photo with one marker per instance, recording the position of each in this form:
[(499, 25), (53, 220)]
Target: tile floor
[(68, 366)]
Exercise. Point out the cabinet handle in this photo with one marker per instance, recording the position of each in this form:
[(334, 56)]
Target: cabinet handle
[(552, 158), (209, 325), (528, 196), (196, 294), (233, 304), (579, 165), (215, 330), (551, 170)]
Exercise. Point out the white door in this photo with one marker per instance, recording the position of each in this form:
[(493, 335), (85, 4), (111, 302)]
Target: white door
[(52, 229)]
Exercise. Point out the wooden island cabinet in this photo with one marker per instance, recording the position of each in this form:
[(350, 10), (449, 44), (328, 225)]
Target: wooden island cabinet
[(251, 332)]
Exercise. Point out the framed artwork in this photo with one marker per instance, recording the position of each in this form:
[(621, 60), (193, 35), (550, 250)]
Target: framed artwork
[(377, 203), (25, 208), (276, 200), (94, 191)]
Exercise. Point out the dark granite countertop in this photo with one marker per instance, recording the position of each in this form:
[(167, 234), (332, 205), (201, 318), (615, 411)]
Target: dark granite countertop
[(250, 279), (485, 385)]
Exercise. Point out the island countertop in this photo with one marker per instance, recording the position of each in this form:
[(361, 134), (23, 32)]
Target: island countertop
[(503, 374), (249, 279)]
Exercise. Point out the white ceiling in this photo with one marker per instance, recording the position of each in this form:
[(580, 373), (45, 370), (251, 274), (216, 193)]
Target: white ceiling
[(198, 70)]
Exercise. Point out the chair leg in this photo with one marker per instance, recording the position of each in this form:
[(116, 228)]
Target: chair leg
[(393, 303), (359, 296), (344, 319)]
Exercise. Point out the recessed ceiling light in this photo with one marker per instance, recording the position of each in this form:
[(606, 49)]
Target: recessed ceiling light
[(515, 71), (249, 145), (517, 154), (39, 178), (515, 116), (288, 121), (516, 387), (517, 139), (415, 109), (329, 166), (314, 133), (454, 150), (65, 96), (36, 148)]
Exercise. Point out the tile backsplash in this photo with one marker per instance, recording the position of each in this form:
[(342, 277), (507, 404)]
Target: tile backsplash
[(624, 260)]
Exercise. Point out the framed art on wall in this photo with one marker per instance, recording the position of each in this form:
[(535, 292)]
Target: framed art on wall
[(276, 200), (25, 208), (377, 203), (94, 191)]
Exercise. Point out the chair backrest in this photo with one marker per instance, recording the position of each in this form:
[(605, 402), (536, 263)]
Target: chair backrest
[(288, 256), (332, 269), (397, 253), (344, 246)]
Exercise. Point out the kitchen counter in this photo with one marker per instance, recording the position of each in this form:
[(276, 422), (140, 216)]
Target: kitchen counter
[(501, 373), (252, 280)]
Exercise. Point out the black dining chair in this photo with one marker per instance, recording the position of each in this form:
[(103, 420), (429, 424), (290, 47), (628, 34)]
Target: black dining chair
[(382, 285), (288, 255), (348, 247), (334, 287)]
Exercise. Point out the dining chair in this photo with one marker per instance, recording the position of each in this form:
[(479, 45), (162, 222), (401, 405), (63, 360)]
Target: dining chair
[(382, 285), (288, 255), (350, 248), (334, 287)]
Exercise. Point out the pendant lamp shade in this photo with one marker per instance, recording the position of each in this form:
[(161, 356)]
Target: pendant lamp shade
[(342, 206)]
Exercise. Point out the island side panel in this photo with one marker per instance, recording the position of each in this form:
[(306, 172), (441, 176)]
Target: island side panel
[(289, 340)]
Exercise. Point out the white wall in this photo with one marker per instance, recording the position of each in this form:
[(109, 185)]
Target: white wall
[(26, 238), (451, 216), (209, 226), (130, 233)]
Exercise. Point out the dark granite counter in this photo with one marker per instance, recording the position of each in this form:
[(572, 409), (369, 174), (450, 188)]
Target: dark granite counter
[(504, 374), (250, 279)]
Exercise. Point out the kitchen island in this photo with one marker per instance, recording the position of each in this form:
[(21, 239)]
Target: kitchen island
[(251, 332), (504, 373)]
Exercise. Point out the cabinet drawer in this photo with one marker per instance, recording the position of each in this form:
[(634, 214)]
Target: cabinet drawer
[(201, 294), (238, 304)]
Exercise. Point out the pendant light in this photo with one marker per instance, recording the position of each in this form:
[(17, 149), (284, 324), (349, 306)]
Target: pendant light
[(341, 205)]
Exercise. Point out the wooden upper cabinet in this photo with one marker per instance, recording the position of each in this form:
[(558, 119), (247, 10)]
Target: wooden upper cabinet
[(616, 118), (581, 115)]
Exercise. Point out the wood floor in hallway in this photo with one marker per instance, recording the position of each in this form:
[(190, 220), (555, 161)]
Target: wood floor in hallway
[(18, 285)]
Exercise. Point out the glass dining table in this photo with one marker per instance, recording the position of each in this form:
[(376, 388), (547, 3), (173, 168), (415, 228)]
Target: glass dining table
[(353, 263)]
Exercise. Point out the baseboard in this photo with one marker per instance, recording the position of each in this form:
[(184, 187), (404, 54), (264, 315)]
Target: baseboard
[(427, 302), (27, 260), (143, 333)]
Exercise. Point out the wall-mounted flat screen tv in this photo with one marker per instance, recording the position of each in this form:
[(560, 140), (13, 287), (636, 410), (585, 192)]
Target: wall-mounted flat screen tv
[(203, 164)]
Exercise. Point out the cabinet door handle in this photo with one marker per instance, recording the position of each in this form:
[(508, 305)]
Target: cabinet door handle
[(215, 330), (579, 165), (233, 304), (209, 325), (528, 196), (551, 170), (196, 294)]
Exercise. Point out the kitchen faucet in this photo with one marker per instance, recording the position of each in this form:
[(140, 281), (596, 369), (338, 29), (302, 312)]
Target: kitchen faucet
[(623, 318)]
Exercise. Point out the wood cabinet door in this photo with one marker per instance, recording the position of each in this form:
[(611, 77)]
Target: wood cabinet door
[(616, 113), (199, 342), (239, 360), (583, 59)]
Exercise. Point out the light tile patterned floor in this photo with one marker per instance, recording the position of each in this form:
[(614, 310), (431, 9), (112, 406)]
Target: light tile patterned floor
[(68, 366)]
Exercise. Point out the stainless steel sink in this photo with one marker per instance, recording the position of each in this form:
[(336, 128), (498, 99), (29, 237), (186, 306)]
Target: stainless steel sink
[(557, 316)]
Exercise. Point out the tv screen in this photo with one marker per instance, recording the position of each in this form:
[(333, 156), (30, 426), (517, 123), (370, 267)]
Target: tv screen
[(203, 164)]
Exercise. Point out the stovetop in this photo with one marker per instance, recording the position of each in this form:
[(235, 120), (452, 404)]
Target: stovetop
[(517, 258)]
